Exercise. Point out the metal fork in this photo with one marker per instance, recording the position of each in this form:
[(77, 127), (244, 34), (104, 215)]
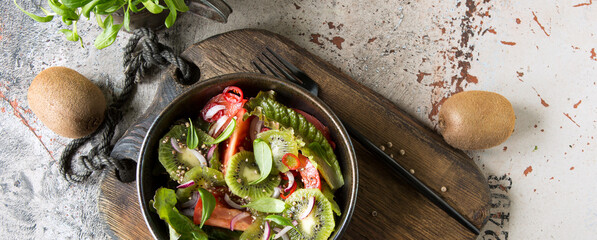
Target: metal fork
[(297, 76)]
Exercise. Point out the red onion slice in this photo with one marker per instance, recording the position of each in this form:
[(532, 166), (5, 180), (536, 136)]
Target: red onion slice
[(213, 110), (282, 233), (307, 211), (267, 231), (217, 125), (255, 127), (192, 202), (174, 144), (277, 191), (199, 157), (187, 184), (290, 181), (189, 212), (210, 152), (237, 218), (232, 203)]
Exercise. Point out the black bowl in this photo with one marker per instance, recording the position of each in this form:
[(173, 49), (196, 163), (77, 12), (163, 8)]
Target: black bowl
[(188, 104)]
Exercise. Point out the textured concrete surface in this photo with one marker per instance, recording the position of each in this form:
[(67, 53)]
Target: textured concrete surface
[(541, 56)]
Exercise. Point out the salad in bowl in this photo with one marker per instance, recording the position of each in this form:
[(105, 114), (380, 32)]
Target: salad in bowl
[(249, 168)]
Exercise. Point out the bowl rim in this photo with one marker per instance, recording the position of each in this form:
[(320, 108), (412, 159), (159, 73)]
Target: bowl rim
[(320, 104)]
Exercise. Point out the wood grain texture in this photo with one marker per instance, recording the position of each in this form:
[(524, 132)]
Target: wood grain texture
[(387, 208)]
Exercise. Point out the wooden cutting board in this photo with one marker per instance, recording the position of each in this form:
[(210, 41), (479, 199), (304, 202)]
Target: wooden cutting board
[(387, 207)]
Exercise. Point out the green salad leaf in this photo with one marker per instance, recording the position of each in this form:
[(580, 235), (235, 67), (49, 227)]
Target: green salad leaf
[(164, 202), (264, 159), (272, 112), (281, 221), (208, 204), (192, 138), (267, 205)]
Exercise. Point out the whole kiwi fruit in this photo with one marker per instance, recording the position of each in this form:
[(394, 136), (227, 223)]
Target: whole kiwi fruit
[(66, 102), (473, 120)]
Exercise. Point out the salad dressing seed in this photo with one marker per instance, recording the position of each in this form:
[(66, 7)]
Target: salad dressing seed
[(391, 155), (402, 152), (390, 144), (444, 189), (239, 180), (412, 171), (382, 147), (187, 124), (374, 213), (173, 152)]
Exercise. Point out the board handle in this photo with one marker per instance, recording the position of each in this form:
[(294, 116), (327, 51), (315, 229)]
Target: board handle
[(128, 146)]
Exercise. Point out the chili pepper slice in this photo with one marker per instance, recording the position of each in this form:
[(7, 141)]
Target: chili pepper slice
[(233, 94), (291, 161), (284, 195)]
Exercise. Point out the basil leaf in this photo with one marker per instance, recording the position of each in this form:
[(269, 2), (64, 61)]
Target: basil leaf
[(70, 35), (180, 5), (108, 36), (267, 205), (164, 202), (153, 7), (225, 134), (172, 15), (192, 138), (72, 4), (208, 203), (282, 221), (63, 11), (47, 18), (86, 10), (127, 19), (263, 158)]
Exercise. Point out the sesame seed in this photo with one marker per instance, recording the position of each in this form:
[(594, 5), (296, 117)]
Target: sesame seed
[(382, 147), (402, 152), (444, 189), (390, 144), (412, 171)]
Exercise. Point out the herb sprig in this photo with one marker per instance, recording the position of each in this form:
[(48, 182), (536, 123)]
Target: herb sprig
[(71, 11)]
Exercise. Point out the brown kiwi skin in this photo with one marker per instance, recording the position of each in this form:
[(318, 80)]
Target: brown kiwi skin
[(474, 120), (66, 102)]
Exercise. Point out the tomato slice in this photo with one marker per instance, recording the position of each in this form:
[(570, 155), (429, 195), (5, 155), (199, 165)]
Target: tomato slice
[(322, 128), (309, 173), (237, 139), (221, 216)]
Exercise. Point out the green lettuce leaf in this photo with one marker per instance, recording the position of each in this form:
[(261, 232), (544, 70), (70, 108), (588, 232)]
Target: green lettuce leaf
[(273, 113), (164, 203)]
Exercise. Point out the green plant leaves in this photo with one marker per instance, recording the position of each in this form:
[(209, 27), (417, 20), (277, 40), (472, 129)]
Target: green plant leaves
[(88, 7), (192, 138), (108, 36), (263, 158), (267, 205), (281, 221), (47, 18), (164, 202), (62, 10), (153, 6), (208, 204), (75, 3)]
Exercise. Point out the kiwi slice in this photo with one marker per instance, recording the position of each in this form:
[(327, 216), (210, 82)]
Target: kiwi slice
[(319, 224), (281, 142), (241, 170), (255, 231), (204, 177), (177, 163)]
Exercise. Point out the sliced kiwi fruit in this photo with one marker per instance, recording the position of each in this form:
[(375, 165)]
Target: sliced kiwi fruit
[(204, 177), (319, 224), (281, 142), (241, 170), (254, 231), (177, 163)]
